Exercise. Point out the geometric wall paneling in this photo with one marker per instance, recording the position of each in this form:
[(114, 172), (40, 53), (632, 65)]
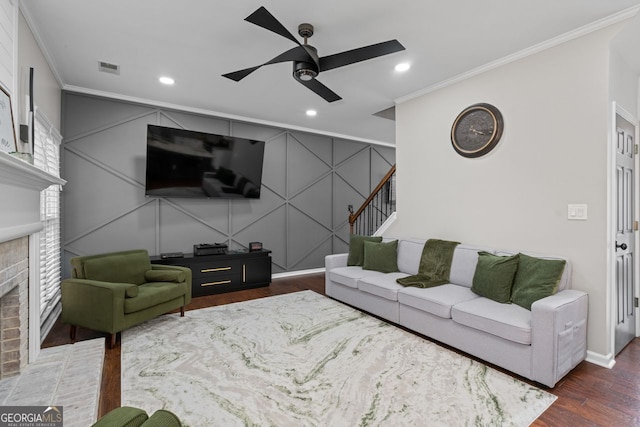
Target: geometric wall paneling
[(108, 144), (181, 230), (379, 167), (351, 170), (91, 191), (107, 236), (257, 132), (315, 257), (339, 244), (177, 119), (212, 213), (246, 212), (344, 149), (304, 167), (320, 145), (344, 195), (313, 201), (82, 108), (274, 170), (271, 231), (341, 239), (308, 181), (299, 245), (387, 153)]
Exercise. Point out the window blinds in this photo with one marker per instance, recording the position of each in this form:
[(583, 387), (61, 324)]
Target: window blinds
[(46, 156)]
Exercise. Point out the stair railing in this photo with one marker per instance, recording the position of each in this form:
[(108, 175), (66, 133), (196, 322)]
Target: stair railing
[(375, 210)]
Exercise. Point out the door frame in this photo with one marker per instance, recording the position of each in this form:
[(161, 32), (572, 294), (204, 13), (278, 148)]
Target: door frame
[(612, 296)]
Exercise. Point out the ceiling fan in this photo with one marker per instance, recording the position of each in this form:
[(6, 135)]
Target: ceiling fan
[(306, 62)]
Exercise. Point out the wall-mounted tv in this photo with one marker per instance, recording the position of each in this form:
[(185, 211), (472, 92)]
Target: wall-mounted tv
[(184, 163)]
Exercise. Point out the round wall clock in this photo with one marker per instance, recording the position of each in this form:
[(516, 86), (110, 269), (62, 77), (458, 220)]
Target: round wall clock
[(477, 130)]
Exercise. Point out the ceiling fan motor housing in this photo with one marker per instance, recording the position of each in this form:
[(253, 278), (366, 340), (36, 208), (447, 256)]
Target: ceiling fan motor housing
[(307, 70)]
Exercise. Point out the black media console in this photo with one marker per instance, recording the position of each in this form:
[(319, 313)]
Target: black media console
[(231, 271)]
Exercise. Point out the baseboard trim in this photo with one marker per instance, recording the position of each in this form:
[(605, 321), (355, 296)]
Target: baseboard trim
[(606, 361), (297, 273)]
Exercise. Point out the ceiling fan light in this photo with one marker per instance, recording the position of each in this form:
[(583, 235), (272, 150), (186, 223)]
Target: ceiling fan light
[(305, 74), (304, 71)]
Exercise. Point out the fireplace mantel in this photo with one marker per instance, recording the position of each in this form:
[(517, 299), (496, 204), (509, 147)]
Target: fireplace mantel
[(20, 187)]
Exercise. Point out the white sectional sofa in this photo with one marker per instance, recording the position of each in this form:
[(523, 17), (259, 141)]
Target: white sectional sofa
[(542, 344)]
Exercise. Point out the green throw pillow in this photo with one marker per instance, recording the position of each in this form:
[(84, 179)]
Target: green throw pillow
[(494, 276), (536, 278), (165, 276), (382, 257), (356, 248)]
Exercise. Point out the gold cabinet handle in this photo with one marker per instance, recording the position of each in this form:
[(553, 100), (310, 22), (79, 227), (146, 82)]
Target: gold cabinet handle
[(221, 282), (213, 270)]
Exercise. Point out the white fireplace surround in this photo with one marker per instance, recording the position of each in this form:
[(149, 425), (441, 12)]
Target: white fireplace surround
[(20, 187)]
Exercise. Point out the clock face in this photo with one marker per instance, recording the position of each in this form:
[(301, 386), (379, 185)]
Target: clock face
[(476, 130)]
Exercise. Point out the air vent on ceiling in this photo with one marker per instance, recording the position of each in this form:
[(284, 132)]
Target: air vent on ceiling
[(108, 67)]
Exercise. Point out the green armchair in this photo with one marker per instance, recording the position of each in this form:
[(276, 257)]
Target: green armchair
[(114, 291)]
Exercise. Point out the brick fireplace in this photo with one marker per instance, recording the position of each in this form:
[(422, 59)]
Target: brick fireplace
[(14, 307), (20, 186)]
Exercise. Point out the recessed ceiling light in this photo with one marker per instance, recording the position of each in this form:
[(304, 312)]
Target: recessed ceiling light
[(311, 113), (404, 66), (166, 80)]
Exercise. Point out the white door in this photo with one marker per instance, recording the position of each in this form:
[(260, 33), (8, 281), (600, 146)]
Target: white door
[(625, 250)]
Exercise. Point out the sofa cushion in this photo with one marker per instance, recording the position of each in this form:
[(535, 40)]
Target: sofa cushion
[(463, 264), (384, 286), (508, 321), (349, 276), (120, 268), (494, 276), (382, 257), (437, 300), (154, 293), (535, 279), (356, 248), (409, 255)]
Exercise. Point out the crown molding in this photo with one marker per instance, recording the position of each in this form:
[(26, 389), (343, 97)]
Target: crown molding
[(40, 42), (571, 35)]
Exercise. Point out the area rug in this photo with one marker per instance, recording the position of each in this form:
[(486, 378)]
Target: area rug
[(303, 359)]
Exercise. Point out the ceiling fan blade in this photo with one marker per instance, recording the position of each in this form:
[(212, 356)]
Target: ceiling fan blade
[(361, 54), (266, 20), (320, 89), (241, 74), (298, 53)]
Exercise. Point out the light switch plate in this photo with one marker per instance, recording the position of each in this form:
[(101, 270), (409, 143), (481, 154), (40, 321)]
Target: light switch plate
[(577, 212)]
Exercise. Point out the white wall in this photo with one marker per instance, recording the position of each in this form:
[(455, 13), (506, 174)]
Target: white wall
[(47, 92), (624, 83), (553, 152)]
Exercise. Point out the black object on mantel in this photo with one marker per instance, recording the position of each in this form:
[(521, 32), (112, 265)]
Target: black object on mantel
[(209, 249)]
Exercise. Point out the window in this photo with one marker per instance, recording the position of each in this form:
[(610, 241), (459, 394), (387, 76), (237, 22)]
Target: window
[(46, 156)]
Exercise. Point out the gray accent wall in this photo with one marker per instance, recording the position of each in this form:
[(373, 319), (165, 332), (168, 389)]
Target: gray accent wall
[(308, 180)]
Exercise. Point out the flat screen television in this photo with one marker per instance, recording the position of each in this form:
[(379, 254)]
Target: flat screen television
[(184, 163)]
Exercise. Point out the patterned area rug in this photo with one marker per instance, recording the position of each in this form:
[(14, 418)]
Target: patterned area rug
[(303, 359)]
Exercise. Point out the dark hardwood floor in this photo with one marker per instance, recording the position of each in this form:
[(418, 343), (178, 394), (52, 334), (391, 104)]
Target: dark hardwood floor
[(589, 396)]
